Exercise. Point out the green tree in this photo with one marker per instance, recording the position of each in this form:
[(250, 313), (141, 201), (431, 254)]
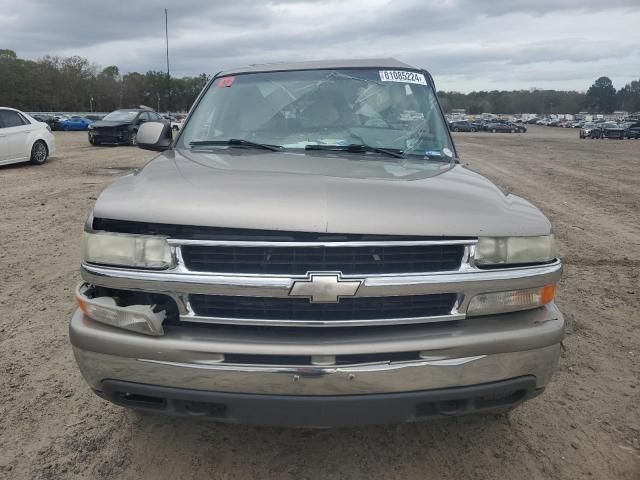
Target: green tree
[(601, 96), (7, 54), (629, 97)]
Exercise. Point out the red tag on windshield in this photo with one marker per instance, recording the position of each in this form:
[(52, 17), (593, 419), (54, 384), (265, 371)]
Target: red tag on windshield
[(225, 82)]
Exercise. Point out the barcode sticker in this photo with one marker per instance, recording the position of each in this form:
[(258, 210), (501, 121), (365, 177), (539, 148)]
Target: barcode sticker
[(402, 76)]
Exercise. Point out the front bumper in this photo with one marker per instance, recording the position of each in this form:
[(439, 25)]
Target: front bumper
[(471, 353), (322, 411)]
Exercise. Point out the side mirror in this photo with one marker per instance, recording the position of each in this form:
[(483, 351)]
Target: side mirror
[(154, 136)]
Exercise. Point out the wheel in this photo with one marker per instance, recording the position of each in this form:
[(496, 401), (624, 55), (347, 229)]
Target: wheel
[(39, 153), (512, 131), (493, 130), (92, 141), (456, 129), (133, 138), (175, 128), (65, 128), (472, 130)]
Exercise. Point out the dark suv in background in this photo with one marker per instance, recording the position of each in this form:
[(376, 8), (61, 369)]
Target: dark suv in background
[(462, 126), (608, 130), (120, 127), (633, 130)]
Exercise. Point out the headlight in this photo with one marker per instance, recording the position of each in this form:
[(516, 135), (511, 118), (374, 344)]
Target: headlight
[(515, 250), (119, 249), (137, 318), (511, 301)]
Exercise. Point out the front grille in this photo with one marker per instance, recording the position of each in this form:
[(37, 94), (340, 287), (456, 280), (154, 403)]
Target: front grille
[(353, 308), (106, 131), (299, 260)]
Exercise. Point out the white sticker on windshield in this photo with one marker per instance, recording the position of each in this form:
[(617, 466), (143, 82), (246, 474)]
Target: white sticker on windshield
[(402, 76)]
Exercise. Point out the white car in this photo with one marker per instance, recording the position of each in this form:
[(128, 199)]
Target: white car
[(23, 138)]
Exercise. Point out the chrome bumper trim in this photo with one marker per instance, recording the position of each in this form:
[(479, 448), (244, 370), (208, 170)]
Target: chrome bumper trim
[(314, 371), (349, 380)]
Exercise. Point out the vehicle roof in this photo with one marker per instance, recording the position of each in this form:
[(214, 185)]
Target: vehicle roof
[(319, 65)]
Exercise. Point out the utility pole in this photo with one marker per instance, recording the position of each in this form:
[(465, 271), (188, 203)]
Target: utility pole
[(166, 37)]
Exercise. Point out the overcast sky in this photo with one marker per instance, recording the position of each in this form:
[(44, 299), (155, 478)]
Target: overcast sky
[(466, 44)]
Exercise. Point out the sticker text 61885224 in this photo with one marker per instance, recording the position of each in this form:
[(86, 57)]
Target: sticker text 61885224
[(402, 76)]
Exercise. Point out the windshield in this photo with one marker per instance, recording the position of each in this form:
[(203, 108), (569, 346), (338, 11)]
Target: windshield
[(120, 116), (305, 109)]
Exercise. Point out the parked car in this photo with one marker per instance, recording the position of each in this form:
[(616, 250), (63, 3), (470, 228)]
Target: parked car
[(462, 126), (478, 125), (495, 127), (585, 130), (532, 121), (94, 117), (76, 123), (299, 256), (23, 138), (608, 130), (520, 128), (53, 122), (633, 131), (121, 126)]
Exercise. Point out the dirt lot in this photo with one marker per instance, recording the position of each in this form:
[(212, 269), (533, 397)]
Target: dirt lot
[(587, 424)]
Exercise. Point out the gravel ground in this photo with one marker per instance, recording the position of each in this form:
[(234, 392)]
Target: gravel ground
[(587, 424)]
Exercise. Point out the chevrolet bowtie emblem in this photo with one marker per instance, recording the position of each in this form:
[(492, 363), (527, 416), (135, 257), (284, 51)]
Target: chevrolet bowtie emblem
[(324, 287)]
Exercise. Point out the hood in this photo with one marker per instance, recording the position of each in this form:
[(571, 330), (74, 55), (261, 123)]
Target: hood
[(110, 124), (317, 192)]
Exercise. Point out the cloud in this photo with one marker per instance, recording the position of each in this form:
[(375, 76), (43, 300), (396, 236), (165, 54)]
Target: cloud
[(466, 44)]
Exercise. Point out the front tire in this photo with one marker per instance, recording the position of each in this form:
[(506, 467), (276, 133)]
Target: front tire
[(472, 130), (493, 130), (39, 153), (512, 131), (133, 138)]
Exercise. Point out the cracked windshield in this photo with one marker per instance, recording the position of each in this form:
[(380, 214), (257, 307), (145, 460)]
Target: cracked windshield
[(373, 112)]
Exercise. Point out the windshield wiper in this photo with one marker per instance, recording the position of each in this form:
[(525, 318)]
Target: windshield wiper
[(357, 148), (236, 142)]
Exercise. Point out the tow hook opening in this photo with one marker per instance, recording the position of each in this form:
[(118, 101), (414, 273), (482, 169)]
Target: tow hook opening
[(141, 401), (451, 407)]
